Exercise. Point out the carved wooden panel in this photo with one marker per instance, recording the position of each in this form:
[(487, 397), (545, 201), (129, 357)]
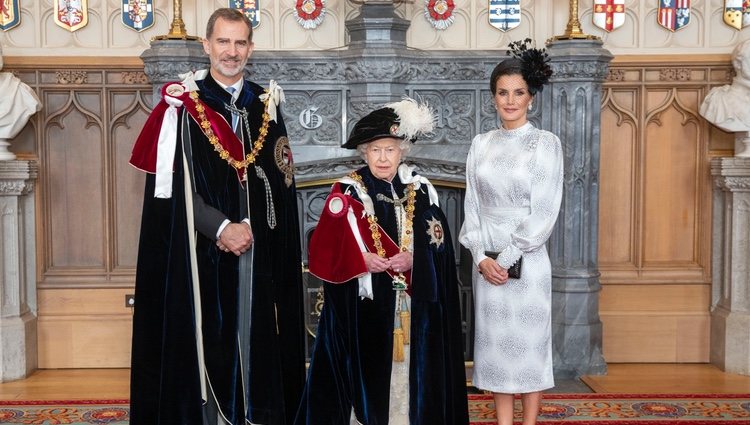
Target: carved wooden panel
[(88, 206), (655, 208)]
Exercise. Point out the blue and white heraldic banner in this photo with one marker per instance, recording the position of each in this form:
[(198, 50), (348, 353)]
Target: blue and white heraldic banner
[(505, 14)]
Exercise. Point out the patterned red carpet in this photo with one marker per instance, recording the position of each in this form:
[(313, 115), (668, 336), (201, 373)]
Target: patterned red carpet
[(579, 409), (627, 409)]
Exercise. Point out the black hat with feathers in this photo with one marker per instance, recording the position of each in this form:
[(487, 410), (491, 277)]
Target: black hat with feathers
[(533, 63), (406, 119)]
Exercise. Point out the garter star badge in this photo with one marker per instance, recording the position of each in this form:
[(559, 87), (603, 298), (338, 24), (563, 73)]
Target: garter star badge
[(609, 14), (71, 14), (310, 13), (737, 13), (9, 16), (504, 14), (251, 9), (439, 13), (435, 232), (673, 14), (137, 14)]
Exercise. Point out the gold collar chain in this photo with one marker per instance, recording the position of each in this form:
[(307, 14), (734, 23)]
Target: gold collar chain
[(214, 140), (405, 237)]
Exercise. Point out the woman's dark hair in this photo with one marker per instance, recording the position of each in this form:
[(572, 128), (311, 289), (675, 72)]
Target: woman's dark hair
[(529, 62), (510, 66)]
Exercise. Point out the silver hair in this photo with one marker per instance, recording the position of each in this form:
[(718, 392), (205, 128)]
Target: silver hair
[(405, 148)]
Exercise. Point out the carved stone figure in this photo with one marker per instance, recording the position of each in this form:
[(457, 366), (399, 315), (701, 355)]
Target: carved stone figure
[(17, 104), (727, 106)]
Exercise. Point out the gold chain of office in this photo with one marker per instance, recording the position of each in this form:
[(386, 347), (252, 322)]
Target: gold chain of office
[(411, 196), (214, 140)]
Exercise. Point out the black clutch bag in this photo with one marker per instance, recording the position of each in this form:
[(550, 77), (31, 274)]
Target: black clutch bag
[(514, 271)]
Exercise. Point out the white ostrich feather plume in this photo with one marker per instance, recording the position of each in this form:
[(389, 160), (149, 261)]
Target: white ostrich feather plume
[(415, 118)]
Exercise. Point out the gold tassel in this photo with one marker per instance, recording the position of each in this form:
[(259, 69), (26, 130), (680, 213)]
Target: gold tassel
[(398, 345), (405, 324)]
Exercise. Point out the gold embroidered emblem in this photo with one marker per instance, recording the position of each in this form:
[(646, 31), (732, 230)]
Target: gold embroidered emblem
[(284, 159), (435, 232)]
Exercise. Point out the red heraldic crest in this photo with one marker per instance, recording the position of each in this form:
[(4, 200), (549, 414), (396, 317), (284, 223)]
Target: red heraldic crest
[(310, 13), (71, 14), (673, 14), (439, 13), (609, 14), (9, 16)]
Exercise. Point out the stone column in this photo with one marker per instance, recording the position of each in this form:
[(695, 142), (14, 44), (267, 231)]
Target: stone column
[(571, 109), (730, 289), (167, 59), (374, 63), (18, 310)]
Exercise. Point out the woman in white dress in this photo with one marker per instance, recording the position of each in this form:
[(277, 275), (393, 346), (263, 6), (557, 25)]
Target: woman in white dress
[(514, 183)]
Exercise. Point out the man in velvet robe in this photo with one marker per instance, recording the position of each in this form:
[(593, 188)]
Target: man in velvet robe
[(385, 356), (218, 326)]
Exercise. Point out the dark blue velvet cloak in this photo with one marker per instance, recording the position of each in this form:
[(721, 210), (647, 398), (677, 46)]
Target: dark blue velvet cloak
[(352, 357), (165, 386)]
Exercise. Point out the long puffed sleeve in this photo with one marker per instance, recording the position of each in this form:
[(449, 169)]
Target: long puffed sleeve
[(546, 174), (471, 230)]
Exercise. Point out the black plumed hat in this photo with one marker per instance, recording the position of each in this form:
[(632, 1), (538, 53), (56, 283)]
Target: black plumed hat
[(405, 119)]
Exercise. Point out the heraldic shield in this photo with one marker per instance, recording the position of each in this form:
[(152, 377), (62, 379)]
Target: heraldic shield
[(138, 14), (737, 13), (609, 14), (71, 14), (505, 14), (673, 14), (251, 9), (9, 14)]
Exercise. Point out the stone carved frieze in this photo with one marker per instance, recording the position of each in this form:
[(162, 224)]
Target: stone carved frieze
[(71, 77), (562, 71), (317, 70), (313, 117), (163, 72), (732, 184), (449, 70), (387, 69), (16, 187)]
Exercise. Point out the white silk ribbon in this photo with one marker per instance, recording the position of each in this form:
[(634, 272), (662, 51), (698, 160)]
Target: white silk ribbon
[(188, 79), (276, 95), (405, 174), (165, 149)]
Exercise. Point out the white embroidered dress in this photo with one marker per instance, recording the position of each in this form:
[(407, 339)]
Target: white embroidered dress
[(514, 183)]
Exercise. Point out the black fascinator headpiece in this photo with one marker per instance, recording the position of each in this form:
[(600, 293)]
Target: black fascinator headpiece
[(535, 67)]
